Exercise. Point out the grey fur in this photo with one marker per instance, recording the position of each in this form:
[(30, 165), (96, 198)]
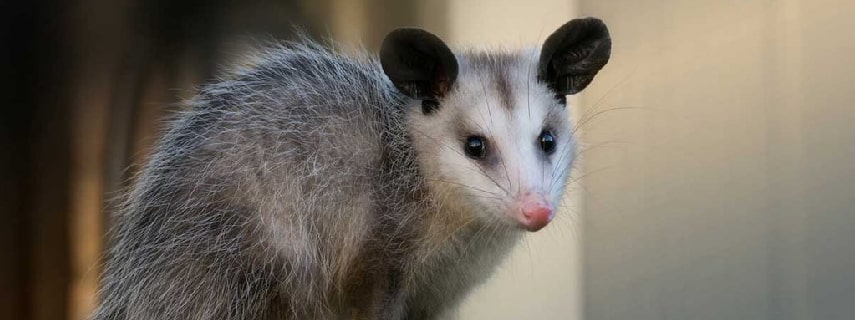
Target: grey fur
[(291, 189)]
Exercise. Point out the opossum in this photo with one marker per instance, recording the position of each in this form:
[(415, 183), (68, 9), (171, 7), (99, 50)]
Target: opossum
[(318, 184)]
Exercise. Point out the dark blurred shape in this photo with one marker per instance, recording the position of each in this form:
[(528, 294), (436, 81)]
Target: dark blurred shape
[(32, 209), (84, 84)]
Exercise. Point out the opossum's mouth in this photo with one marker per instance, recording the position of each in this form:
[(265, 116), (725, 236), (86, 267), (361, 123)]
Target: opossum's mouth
[(532, 211)]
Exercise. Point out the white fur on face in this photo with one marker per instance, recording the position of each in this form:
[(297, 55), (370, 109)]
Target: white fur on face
[(518, 165)]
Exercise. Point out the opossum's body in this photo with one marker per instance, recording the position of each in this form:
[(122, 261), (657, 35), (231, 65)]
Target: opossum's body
[(308, 186)]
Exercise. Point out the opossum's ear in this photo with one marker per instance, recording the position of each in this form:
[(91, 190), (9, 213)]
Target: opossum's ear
[(573, 54), (418, 63)]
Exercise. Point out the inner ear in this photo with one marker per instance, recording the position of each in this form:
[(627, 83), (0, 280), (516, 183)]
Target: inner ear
[(573, 54), (419, 64)]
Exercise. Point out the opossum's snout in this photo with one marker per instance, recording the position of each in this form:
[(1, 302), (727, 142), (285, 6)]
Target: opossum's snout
[(532, 211)]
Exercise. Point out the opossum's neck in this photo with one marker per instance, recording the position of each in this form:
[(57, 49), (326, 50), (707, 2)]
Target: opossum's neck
[(449, 228), (452, 256)]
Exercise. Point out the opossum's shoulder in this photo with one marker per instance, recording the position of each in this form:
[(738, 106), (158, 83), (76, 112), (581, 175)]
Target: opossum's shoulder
[(305, 76), (303, 89), (298, 106)]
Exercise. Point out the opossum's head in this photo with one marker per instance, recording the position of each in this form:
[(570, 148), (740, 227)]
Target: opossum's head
[(491, 130)]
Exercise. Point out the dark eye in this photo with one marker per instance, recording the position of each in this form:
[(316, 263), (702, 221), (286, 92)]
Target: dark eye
[(547, 142), (476, 147)]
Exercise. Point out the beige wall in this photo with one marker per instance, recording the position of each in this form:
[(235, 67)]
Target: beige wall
[(721, 180)]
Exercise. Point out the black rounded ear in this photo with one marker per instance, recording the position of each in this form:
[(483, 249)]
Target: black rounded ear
[(573, 54), (419, 64)]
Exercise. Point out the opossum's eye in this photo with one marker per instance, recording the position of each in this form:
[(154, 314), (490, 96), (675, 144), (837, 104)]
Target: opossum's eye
[(476, 147), (547, 142)]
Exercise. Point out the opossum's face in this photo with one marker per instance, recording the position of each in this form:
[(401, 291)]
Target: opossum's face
[(500, 141), (491, 130)]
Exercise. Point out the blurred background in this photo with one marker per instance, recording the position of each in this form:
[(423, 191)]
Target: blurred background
[(717, 178)]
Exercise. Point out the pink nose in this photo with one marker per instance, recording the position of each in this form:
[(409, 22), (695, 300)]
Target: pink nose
[(535, 212)]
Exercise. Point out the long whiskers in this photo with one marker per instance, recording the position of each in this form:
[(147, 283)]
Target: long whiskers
[(494, 195)]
